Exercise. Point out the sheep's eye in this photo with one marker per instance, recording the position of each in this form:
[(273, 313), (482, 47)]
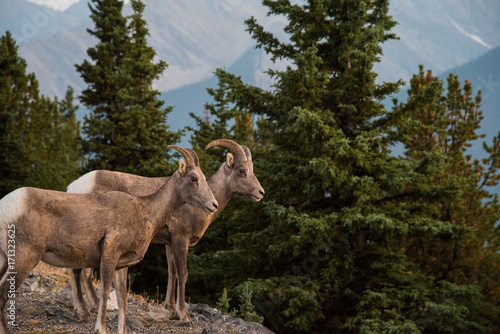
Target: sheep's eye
[(241, 171), (194, 179)]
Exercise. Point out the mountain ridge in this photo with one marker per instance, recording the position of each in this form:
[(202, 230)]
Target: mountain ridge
[(195, 37)]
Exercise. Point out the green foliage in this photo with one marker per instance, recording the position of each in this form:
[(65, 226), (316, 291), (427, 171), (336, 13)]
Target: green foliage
[(223, 303), (126, 129), (39, 136), (222, 120), (246, 309), (14, 101), (349, 237), (53, 135)]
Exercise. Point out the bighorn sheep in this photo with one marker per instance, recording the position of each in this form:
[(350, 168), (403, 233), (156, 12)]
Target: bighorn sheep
[(186, 227), (111, 231)]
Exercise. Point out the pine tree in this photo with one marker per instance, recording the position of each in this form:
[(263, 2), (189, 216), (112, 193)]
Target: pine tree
[(100, 95), (54, 141), (325, 252), (448, 123), (126, 129), (39, 136), (218, 123), (14, 98), (222, 120)]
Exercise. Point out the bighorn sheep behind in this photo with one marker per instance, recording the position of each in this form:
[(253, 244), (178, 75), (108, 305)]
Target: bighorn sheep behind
[(186, 227), (111, 231)]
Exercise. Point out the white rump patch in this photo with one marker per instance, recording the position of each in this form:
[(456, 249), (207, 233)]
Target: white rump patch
[(12, 206), (83, 185)]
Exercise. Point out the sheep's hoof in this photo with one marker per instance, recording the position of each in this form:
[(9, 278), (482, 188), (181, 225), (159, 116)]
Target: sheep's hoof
[(82, 316), (172, 313), (186, 324), (185, 318)]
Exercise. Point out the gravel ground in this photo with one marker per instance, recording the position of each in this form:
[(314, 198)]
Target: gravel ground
[(43, 304)]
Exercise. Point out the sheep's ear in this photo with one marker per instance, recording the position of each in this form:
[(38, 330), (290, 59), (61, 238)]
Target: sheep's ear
[(229, 160), (182, 167)]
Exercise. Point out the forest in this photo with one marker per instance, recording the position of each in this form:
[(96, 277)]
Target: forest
[(376, 218)]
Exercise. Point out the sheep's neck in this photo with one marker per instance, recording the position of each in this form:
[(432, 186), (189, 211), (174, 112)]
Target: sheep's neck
[(218, 184), (162, 204)]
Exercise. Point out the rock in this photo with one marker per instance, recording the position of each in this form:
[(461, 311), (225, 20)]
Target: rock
[(112, 302), (215, 322), (66, 293), (205, 310), (157, 313)]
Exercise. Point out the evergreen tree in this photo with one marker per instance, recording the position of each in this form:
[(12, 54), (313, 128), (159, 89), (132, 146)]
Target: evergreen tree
[(450, 124), (39, 136), (326, 252), (53, 136), (14, 100), (215, 125), (126, 129), (222, 120)]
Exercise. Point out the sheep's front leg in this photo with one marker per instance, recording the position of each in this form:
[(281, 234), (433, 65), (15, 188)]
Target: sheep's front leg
[(26, 260), (172, 277), (76, 289), (4, 287), (180, 251), (108, 265)]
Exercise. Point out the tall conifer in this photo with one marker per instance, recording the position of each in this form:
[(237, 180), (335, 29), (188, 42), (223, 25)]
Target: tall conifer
[(448, 122), (14, 87), (39, 136), (324, 252), (126, 129)]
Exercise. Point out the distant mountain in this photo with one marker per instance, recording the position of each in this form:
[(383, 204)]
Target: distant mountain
[(440, 34), (484, 74), (194, 37), (192, 98)]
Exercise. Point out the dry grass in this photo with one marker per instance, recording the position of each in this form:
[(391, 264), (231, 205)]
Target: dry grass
[(46, 269), (62, 276)]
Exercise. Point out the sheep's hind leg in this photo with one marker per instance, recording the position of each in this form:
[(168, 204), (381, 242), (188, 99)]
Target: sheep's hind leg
[(107, 268), (76, 289), (121, 297), (86, 281)]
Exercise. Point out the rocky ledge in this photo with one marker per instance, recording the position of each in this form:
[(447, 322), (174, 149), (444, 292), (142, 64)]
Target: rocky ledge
[(44, 304)]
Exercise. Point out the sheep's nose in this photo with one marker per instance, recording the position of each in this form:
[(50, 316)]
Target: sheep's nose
[(215, 205), (262, 192)]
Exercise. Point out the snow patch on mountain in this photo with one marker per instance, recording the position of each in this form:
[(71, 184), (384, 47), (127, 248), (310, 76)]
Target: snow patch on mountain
[(475, 38), (60, 5)]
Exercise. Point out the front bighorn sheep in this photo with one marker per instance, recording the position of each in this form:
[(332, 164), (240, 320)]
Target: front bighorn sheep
[(111, 231), (186, 227)]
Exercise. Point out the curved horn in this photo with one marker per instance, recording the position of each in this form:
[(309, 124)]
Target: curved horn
[(187, 156), (195, 157), (232, 146)]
